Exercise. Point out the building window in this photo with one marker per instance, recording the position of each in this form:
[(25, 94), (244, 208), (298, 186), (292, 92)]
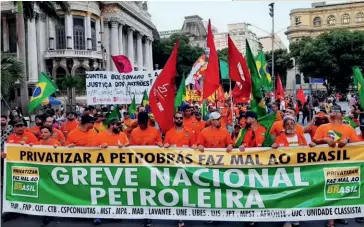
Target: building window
[(93, 34), (345, 19), (317, 21), (60, 35), (331, 20), (12, 33), (360, 17), (297, 20), (79, 41)]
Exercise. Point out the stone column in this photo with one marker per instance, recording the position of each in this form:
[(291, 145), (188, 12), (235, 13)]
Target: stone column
[(139, 52), (5, 38), (151, 54), (114, 48), (69, 31), (121, 44), (131, 45), (41, 41), (145, 54), (107, 43), (32, 52), (52, 34), (88, 31), (98, 35)]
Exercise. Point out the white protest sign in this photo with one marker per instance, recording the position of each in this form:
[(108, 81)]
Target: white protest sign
[(104, 87)]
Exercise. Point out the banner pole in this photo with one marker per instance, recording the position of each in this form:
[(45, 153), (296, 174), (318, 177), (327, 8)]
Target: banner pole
[(232, 106)]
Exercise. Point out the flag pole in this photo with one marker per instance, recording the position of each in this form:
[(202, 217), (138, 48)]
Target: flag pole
[(232, 106)]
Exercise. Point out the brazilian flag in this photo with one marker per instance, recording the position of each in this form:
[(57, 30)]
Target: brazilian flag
[(334, 135), (44, 88), (349, 121), (263, 72), (132, 108), (145, 100)]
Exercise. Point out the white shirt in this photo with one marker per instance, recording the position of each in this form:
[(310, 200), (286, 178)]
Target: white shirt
[(283, 105), (292, 141)]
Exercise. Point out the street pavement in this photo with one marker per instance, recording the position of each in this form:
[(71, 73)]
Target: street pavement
[(33, 221)]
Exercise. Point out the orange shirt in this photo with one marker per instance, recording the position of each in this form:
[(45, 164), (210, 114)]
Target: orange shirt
[(214, 138), (282, 140), (58, 135), (129, 122), (185, 137), (68, 126), (99, 127), (51, 142), (190, 123), (312, 130), (200, 125), (254, 138), (242, 122), (278, 116), (149, 136), (81, 138), (336, 132), (110, 139), (277, 128), (27, 137), (35, 130)]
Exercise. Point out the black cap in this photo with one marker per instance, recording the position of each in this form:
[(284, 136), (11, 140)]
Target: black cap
[(251, 114), (186, 107), (143, 118), (197, 113), (87, 119), (336, 109), (18, 122)]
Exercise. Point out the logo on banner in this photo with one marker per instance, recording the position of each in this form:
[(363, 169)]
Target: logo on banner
[(342, 183), (25, 181)]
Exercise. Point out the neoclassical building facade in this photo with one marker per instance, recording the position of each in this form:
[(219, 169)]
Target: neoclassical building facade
[(82, 40), (322, 17)]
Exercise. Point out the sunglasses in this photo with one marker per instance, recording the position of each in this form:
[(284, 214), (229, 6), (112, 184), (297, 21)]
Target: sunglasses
[(178, 118)]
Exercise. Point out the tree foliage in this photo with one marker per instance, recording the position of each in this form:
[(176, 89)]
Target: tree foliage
[(77, 82), (11, 71), (282, 63), (330, 56), (223, 54), (187, 54)]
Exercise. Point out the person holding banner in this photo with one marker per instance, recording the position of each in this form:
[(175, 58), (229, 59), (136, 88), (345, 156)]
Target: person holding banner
[(39, 121), (214, 136), (56, 133), (83, 134), (179, 136), (254, 132), (113, 136), (46, 133), (20, 136), (277, 126), (144, 134)]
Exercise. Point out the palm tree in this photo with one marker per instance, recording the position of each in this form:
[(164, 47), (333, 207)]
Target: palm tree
[(25, 12), (11, 71)]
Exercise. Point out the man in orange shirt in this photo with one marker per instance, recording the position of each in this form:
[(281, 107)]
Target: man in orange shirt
[(275, 108), (188, 120), (254, 132), (46, 137), (39, 121), (70, 124), (214, 136), (84, 134), (277, 126), (316, 121), (99, 125), (144, 134), (113, 136), (56, 133), (201, 124), (179, 136), (20, 135)]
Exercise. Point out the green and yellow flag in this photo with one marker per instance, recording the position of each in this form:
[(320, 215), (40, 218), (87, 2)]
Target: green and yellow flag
[(43, 89), (349, 121), (204, 110), (132, 108), (257, 104), (265, 76), (114, 114), (145, 100), (359, 83), (181, 94)]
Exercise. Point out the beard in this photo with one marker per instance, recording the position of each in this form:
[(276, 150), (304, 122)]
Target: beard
[(218, 126), (248, 125), (116, 130), (3, 124), (178, 124), (39, 123), (70, 119)]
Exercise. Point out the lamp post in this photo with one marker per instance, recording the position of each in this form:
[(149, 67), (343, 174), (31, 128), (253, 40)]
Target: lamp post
[(271, 14)]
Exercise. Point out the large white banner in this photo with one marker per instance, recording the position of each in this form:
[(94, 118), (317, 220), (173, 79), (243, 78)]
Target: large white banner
[(104, 87)]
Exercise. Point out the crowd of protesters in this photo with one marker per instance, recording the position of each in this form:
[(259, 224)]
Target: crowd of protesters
[(219, 127)]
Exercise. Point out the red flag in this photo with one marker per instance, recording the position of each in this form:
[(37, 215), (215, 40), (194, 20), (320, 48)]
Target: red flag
[(212, 76), (279, 88), (220, 94), (161, 97), (239, 72), (301, 95), (122, 63)]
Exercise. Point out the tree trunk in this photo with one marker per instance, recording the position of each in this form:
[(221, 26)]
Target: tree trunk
[(24, 95)]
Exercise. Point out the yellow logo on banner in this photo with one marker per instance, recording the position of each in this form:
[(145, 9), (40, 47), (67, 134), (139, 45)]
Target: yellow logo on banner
[(192, 95)]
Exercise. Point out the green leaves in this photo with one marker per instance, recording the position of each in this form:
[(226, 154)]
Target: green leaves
[(11, 71), (282, 63)]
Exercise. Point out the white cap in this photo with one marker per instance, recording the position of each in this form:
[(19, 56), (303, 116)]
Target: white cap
[(214, 116)]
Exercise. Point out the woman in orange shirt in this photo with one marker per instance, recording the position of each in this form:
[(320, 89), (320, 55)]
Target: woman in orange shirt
[(45, 135)]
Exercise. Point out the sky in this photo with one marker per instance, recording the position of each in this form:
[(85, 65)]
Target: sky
[(169, 15)]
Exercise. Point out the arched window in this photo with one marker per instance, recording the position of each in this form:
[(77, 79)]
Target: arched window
[(331, 20), (79, 33), (317, 21), (345, 19), (360, 17), (93, 34), (60, 35)]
